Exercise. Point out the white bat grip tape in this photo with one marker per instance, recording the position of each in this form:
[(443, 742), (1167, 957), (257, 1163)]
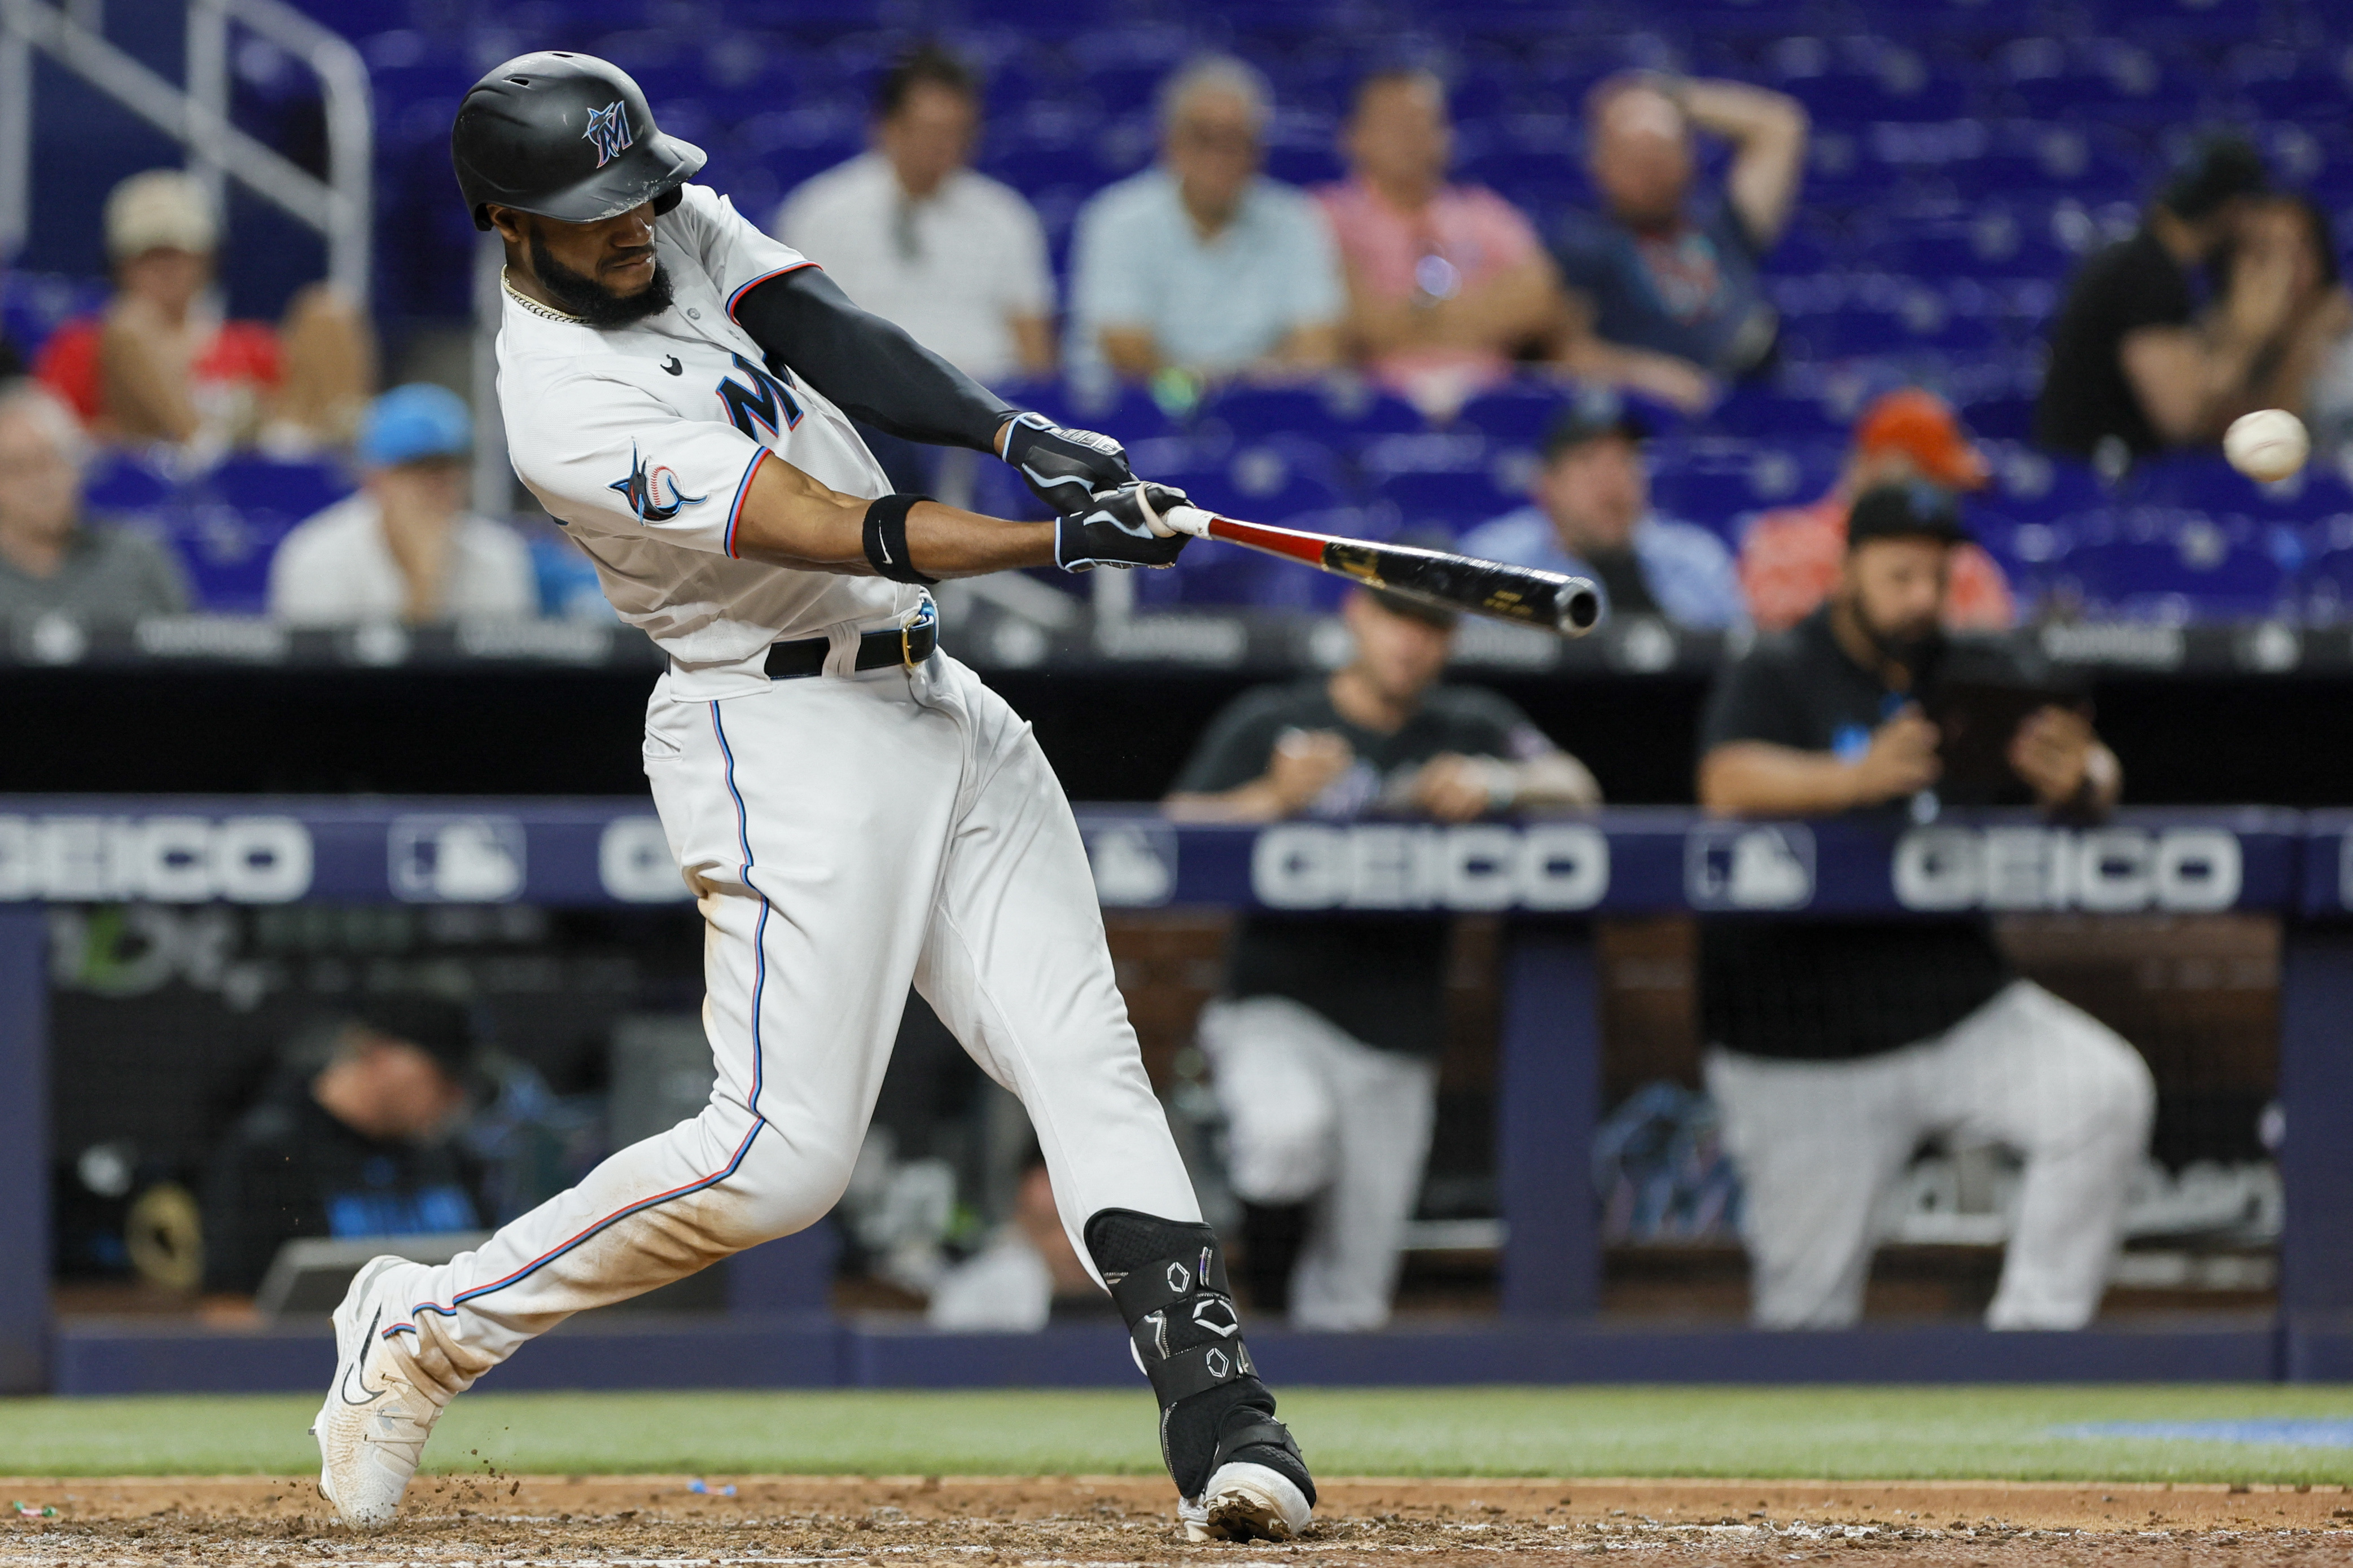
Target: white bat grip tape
[(1189, 519)]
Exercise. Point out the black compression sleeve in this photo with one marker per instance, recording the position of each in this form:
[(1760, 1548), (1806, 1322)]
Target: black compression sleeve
[(869, 366)]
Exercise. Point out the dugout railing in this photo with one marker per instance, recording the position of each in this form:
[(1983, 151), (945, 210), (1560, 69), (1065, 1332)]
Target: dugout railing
[(1548, 880)]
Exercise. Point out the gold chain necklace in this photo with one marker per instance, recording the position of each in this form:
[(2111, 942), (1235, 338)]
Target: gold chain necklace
[(534, 306)]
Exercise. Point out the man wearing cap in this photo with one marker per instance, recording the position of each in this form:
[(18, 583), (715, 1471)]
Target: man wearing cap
[(404, 547), (161, 365), (349, 1139), (1836, 1045), (1324, 1043), (2142, 356), (1591, 517), (1791, 558)]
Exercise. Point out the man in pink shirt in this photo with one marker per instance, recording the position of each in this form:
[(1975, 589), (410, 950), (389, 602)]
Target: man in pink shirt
[(1446, 283)]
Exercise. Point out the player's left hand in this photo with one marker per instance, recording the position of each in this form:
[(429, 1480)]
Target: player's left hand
[(1064, 467), (1123, 528)]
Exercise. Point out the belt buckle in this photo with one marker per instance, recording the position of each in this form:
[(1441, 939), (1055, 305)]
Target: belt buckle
[(926, 618)]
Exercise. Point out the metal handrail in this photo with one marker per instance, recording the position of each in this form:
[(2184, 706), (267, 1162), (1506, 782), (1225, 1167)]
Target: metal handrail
[(340, 207)]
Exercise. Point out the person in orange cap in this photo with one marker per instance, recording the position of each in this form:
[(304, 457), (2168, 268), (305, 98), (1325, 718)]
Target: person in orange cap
[(1790, 558)]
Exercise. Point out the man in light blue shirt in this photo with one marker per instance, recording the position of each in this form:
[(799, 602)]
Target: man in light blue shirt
[(1592, 517), (1200, 265)]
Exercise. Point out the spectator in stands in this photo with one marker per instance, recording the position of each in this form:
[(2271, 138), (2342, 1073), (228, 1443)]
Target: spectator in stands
[(1324, 1043), (404, 547), (913, 234), (1203, 267), (161, 365), (1836, 1045), (1669, 282), (1447, 284), (2315, 374), (2145, 355), (1591, 517), (52, 559), (348, 1141), (1791, 559)]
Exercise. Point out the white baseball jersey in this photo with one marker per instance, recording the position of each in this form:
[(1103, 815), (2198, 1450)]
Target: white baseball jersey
[(642, 442)]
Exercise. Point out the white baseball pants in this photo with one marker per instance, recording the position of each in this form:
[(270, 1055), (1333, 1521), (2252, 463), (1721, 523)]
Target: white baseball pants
[(845, 835), (1819, 1143), (1315, 1115)]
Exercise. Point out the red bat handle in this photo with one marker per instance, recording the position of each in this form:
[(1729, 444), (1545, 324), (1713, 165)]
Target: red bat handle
[(1308, 547)]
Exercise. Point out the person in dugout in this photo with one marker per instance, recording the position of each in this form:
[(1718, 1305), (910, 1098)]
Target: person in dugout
[(350, 1140), (1323, 1044), (1836, 1046)]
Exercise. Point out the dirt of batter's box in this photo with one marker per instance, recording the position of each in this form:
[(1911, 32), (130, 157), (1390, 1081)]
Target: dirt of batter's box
[(1105, 1520)]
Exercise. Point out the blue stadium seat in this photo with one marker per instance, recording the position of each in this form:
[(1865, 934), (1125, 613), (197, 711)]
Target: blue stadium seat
[(1340, 414), (1448, 500), (1268, 481), (118, 482), (33, 305), (2157, 562), (1517, 413)]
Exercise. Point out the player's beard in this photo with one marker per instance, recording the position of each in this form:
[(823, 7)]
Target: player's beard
[(583, 296)]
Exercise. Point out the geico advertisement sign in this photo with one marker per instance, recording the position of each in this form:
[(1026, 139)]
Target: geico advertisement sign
[(169, 859), (2104, 868), (1383, 866)]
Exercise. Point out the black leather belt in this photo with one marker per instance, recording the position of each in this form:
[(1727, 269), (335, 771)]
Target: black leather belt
[(907, 646)]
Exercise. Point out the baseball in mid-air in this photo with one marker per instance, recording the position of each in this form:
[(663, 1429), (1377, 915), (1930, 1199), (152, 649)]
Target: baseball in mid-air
[(2268, 445)]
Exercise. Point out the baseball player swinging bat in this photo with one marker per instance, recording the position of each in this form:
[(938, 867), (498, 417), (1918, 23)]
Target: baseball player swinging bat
[(1566, 606)]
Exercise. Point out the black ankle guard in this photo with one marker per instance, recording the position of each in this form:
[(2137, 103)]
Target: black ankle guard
[(1169, 1280)]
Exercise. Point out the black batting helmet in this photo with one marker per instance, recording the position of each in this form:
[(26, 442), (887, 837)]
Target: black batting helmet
[(567, 136)]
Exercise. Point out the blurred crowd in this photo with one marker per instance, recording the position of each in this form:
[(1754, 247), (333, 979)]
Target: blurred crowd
[(1199, 273)]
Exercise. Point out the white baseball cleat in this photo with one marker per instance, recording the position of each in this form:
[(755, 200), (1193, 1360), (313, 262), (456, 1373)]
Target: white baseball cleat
[(1245, 1502), (373, 1426)]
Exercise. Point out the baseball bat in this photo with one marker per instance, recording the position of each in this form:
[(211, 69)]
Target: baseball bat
[(1565, 605)]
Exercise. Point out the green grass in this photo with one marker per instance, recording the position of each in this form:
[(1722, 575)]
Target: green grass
[(1893, 1433)]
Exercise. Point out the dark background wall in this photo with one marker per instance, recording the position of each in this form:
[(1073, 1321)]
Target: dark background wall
[(2185, 740)]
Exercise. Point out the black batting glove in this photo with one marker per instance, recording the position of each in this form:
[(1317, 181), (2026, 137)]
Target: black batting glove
[(1122, 528), (1065, 468)]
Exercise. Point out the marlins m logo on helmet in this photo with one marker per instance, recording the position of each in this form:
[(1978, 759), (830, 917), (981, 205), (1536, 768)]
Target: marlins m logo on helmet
[(609, 128)]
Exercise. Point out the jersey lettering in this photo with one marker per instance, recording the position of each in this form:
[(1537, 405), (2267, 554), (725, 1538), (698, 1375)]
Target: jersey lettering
[(759, 401)]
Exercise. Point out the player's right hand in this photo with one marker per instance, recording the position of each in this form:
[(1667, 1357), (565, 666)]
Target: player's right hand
[(1121, 528), (1902, 760), (1064, 467)]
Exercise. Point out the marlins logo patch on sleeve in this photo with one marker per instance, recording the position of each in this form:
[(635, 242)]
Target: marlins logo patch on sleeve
[(652, 493)]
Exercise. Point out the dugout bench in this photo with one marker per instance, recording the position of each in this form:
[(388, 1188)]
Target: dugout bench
[(1548, 878)]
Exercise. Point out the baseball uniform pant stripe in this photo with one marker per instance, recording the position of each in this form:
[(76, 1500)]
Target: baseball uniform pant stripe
[(479, 1291), (760, 931), (903, 828)]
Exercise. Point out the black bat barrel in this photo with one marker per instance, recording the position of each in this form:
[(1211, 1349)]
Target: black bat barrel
[(1568, 607)]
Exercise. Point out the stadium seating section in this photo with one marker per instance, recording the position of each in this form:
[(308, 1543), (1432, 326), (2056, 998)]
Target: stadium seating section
[(1965, 156)]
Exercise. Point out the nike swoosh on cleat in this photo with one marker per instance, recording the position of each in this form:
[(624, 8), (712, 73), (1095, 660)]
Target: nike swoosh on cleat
[(359, 1370)]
